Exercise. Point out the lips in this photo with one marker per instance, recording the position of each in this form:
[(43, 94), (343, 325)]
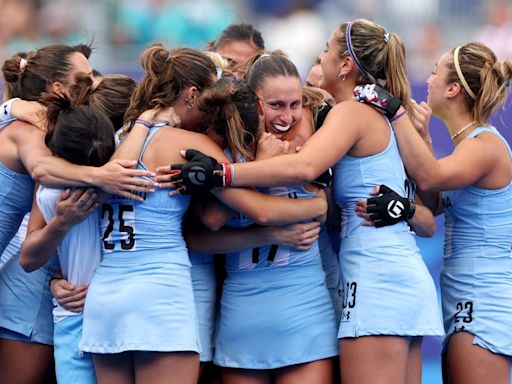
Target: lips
[(281, 128)]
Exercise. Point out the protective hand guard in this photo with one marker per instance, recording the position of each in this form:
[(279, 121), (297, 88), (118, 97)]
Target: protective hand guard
[(325, 179), (377, 97), (201, 173), (389, 207)]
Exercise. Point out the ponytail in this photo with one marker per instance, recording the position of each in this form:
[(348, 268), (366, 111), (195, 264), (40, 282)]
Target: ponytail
[(232, 115), (487, 79)]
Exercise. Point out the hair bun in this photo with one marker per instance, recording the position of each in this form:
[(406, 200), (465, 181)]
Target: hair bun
[(13, 68)]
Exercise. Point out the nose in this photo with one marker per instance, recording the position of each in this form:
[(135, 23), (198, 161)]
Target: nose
[(286, 116)]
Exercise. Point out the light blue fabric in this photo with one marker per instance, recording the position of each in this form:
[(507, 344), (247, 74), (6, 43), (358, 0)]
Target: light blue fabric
[(476, 278), (16, 192), (275, 308), (79, 251), (204, 283), (71, 366), (331, 266), (387, 289), (141, 296), (25, 298)]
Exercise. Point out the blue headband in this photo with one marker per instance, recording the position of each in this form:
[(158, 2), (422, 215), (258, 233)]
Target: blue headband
[(351, 50)]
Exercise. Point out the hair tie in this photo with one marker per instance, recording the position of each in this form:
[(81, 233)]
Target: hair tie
[(460, 74), (386, 38), (23, 64), (351, 50)]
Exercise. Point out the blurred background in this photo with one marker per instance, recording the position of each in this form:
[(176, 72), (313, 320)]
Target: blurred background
[(120, 29)]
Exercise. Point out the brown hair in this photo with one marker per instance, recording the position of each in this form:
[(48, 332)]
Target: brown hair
[(43, 67), (12, 89), (381, 55), (238, 32), (168, 74), (276, 63), (486, 77), (111, 96), (231, 112), (267, 64)]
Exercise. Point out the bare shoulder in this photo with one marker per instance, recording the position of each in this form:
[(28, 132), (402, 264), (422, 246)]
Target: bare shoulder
[(352, 113), (354, 110), (19, 130), (166, 145), (180, 137), (485, 144)]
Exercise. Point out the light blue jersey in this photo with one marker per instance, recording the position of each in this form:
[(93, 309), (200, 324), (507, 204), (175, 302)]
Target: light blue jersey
[(79, 255), (275, 309), (141, 296), (387, 289), (80, 250), (476, 278), (16, 192)]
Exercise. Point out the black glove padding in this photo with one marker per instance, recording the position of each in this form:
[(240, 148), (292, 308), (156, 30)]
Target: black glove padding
[(200, 173), (378, 98), (389, 207), (324, 180)]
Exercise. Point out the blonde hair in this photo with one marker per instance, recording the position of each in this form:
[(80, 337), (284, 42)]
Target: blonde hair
[(487, 78), (379, 55), (312, 98), (217, 59)]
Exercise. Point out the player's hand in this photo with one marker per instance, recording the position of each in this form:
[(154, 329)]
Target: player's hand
[(199, 174), (119, 177), (68, 296), (421, 118), (386, 208), (296, 236), (73, 206), (270, 146)]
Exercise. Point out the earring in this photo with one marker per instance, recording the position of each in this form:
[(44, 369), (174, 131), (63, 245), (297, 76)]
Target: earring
[(339, 77), (189, 104)]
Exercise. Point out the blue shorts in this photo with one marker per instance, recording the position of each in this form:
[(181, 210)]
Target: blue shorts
[(71, 366), (477, 298)]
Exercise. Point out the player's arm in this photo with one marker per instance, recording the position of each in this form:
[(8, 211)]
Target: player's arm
[(43, 238)]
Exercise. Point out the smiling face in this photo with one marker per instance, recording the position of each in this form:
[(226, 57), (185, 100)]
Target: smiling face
[(282, 103), (437, 85)]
